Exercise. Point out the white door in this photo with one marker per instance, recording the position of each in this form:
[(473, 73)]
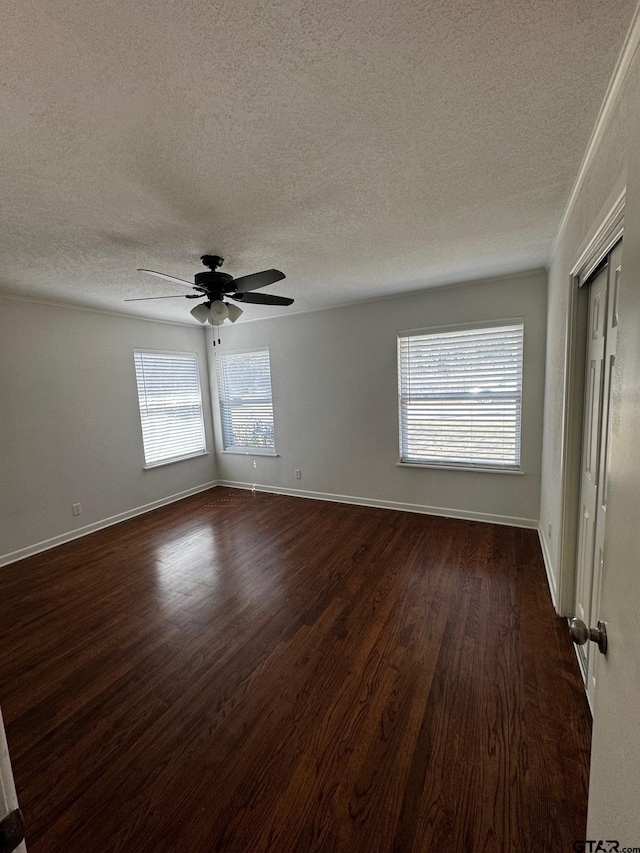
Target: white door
[(8, 799), (590, 452), (614, 272), (601, 348)]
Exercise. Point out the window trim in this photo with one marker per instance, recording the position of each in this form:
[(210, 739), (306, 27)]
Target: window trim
[(460, 327), (462, 466), (238, 449), (175, 459), (148, 466), (448, 466), (249, 451)]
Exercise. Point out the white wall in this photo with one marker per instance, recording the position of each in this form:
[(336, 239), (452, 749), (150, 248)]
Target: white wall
[(334, 381), (69, 421), (614, 792), (604, 180)]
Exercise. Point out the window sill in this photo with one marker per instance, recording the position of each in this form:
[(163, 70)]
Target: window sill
[(253, 452), (174, 459), (486, 469)]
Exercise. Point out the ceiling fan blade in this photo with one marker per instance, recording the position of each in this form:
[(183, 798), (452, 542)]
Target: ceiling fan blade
[(262, 298), (144, 298), (168, 277), (257, 279)]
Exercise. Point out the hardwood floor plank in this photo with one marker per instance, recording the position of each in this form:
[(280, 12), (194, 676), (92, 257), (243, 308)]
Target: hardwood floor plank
[(249, 672)]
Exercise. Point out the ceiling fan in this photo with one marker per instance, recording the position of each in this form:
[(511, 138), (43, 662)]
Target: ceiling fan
[(213, 286)]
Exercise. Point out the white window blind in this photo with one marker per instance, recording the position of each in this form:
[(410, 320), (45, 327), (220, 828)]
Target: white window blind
[(461, 396), (170, 405), (246, 406)]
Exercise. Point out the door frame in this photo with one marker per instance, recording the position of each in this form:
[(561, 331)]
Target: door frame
[(605, 236), (8, 798)]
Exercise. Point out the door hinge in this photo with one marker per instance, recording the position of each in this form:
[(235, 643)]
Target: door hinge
[(11, 831)]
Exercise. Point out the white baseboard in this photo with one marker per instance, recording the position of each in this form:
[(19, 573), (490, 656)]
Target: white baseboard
[(551, 578), (510, 521), (99, 525), (489, 518)]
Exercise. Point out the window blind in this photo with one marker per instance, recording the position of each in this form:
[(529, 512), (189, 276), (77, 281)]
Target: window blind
[(246, 406), (170, 405), (461, 396)]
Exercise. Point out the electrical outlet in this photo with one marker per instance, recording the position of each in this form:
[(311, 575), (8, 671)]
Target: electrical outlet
[(298, 474), (549, 530), (76, 509)]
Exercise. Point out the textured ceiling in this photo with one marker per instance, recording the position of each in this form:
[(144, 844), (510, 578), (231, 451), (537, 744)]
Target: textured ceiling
[(364, 147)]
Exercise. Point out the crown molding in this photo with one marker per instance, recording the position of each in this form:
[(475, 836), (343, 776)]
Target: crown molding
[(427, 288), (19, 297), (616, 83)]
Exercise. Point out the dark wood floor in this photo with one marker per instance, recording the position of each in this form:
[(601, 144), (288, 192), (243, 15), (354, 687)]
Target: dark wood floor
[(250, 672)]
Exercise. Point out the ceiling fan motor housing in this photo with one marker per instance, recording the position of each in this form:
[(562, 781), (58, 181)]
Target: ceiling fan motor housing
[(213, 281)]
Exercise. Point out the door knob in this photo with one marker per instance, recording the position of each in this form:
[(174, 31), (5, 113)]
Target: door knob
[(580, 634)]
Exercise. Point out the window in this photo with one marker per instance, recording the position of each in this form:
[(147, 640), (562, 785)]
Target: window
[(170, 406), (246, 406), (461, 396)]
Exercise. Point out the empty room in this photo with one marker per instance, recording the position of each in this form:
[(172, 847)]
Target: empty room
[(319, 468)]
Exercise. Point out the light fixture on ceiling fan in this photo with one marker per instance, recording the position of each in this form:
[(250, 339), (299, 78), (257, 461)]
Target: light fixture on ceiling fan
[(216, 312)]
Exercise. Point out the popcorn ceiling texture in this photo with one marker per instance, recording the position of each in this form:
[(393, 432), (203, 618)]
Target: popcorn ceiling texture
[(365, 148)]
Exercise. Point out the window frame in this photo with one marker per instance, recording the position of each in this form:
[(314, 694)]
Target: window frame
[(169, 460), (244, 450), (452, 465)]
